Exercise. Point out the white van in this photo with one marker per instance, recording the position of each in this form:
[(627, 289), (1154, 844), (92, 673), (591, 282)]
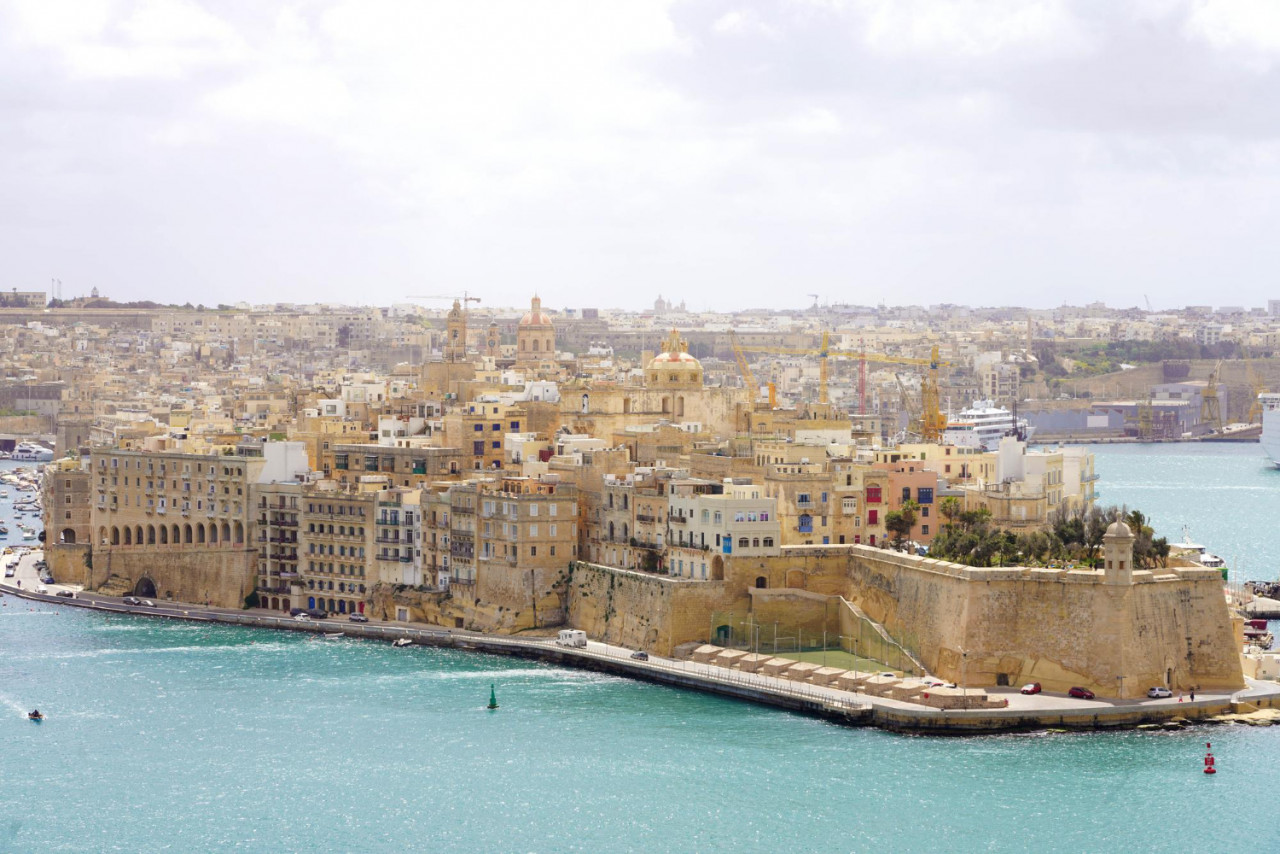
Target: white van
[(572, 637)]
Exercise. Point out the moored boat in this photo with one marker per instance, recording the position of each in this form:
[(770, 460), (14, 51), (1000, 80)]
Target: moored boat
[(402, 642)]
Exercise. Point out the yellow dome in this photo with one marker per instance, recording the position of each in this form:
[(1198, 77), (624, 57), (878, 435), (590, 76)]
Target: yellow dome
[(673, 367)]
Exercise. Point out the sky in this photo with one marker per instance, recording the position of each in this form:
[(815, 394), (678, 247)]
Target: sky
[(730, 155)]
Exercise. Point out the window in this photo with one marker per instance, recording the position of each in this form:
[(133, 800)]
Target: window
[(533, 509), (743, 542), (824, 498), (806, 523), (479, 427), (873, 517), (497, 445), (924, 512), (515, 426), (533, 551), (906, 493), (924, 529), (802, 499), (768, 542), (477, 448), (924, 495), (873, 495), (551, 509)]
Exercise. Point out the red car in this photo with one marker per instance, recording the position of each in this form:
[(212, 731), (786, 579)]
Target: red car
[(1080, 693), (1031, 688)]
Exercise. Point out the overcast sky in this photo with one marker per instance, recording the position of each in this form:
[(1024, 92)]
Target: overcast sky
[(603, 152)]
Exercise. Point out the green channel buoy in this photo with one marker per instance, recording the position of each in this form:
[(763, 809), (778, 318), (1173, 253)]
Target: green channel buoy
[(493, 698)]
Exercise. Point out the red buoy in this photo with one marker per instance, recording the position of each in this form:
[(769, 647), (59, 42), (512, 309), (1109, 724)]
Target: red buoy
[(1208, 760)]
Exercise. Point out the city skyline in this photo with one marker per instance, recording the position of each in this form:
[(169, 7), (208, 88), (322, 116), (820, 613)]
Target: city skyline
[(730, 156)]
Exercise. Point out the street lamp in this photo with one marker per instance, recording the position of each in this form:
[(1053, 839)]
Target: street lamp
[(964, 683)]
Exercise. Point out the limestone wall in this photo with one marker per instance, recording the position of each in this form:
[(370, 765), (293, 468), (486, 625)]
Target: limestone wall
[(650, 612), (220, 575), (1005, 625)]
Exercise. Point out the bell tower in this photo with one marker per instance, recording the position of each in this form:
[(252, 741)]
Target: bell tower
[(455, 345)]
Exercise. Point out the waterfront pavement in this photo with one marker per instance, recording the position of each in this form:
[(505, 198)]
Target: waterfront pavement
[(815, 698)]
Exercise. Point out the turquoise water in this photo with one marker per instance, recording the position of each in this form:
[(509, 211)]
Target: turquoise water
[(1226, 495), (173, 737)]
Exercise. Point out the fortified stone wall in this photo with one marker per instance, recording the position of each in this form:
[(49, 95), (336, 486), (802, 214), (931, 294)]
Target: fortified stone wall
[(650, 612), (998, 626), (220, 575)]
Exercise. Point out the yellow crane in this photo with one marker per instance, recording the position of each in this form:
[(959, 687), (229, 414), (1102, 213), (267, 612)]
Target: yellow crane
[(932, 421), (747, 376), (1210, 406)]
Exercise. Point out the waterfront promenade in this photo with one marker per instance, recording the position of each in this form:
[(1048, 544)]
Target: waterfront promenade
[(1043, 711)]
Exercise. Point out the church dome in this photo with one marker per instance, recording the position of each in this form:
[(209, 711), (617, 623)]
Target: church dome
[(535, 316), (673, 367)]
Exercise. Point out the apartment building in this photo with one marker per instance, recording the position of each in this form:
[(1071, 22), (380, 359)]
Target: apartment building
[(398, 533), (707, 521), (337, 542)]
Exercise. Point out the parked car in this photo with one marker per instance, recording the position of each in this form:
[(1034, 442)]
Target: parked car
[(317, 613), (358, 618), (148, 603), (293, 612), (640, 655), (1159, 693), (1031, 688), (9, 572), (132, 600), (1080, 693), (302, 618), (65, 594)]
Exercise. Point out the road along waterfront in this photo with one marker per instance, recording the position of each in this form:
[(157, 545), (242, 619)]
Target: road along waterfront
[(1024, 713)]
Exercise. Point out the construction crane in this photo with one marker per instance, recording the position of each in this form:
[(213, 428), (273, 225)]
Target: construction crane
[(1210, 406), (932, 421), (463, 297), (747, 376), (1256, 387)]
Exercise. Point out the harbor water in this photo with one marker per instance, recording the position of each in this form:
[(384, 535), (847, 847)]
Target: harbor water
[(168, 736)]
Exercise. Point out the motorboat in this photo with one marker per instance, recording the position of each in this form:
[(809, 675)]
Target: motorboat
[(35, 715), (333, 635), (402, 642)]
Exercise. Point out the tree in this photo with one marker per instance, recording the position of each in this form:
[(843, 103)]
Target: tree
[(900, 522)]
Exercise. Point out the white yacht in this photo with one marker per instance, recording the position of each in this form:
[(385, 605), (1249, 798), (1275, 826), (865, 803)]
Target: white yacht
[(32, 452), (1198, 553), (983, 425), (1270, 439)]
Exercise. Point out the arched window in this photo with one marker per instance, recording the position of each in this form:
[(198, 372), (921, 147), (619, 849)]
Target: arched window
[(768, 542), (743, 542)]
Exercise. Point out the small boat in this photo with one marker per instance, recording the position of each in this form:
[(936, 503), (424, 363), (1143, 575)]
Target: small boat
[(402, 642), (333, 635), (35, 715)]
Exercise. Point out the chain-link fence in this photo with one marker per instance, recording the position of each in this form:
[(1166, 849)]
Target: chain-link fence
[(852, 642)]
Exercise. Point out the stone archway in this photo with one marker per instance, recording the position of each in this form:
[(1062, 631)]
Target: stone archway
[(146, 588), (69, 536), (717, 568)]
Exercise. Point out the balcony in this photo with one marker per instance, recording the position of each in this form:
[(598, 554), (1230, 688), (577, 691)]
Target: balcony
[(645, 517), (676, 520)]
